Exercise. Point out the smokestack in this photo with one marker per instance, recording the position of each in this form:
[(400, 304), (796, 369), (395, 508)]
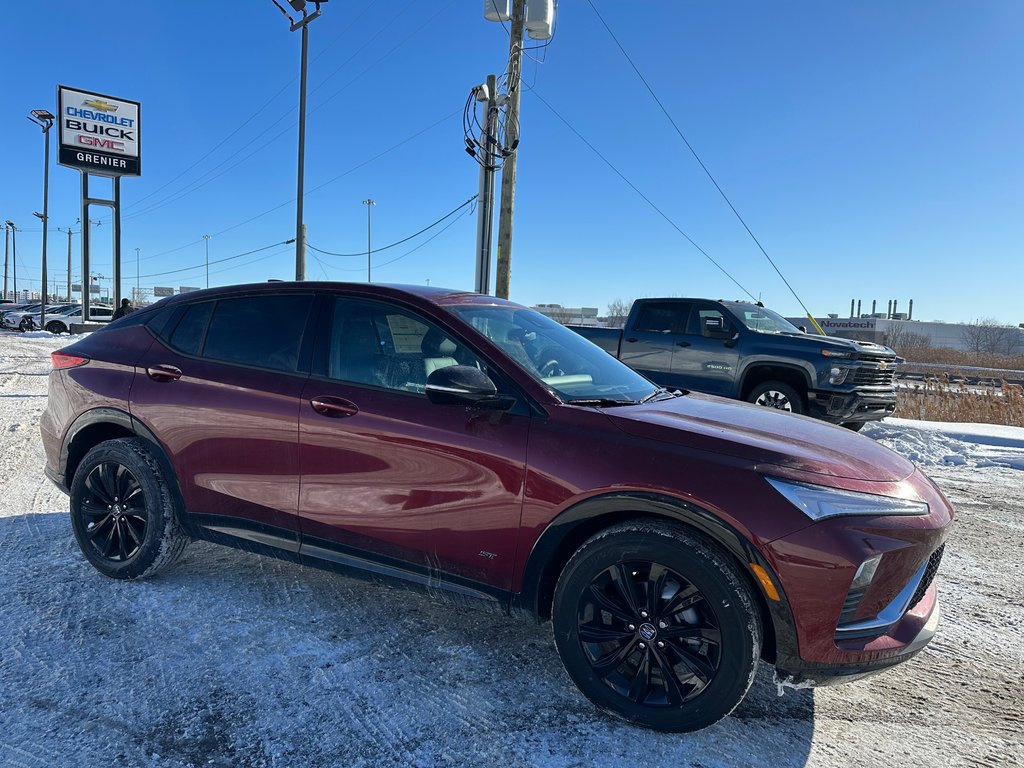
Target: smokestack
[(851, 307), (888, 310), (910, 312), (873, 310), (858, 307), (894, 308)]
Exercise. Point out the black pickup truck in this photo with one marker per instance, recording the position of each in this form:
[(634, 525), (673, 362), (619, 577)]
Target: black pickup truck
[(747, 352)]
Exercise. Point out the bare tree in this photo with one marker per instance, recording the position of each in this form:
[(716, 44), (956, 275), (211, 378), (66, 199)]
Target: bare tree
[(987, 337), (618, 311), (903, 340)]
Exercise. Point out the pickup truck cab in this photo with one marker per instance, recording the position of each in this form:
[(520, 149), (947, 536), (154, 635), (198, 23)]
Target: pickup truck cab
[(744, 351)]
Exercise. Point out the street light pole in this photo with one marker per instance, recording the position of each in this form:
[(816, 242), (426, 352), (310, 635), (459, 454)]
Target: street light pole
[(44, 120), (369, 203)]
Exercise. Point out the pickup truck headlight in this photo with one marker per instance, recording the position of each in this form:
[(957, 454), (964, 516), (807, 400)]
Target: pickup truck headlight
[(819, 502), (838, 375)]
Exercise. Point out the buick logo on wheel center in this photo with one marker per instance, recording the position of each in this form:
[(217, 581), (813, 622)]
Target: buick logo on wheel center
[(98, 134), (648, 632)]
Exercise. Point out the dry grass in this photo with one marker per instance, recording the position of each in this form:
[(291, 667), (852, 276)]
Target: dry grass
[(942, 401), (942, 356)]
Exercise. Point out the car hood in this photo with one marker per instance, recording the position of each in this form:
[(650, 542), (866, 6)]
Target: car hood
[(762, 436)]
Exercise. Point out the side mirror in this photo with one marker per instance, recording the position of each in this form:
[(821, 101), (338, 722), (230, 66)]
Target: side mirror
[(464, 385), (714, 328)]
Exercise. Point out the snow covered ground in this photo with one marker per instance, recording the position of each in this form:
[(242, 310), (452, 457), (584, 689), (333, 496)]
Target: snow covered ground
[(230, 659)]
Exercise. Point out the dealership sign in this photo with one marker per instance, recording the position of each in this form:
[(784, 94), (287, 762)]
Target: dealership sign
[(98, 134)]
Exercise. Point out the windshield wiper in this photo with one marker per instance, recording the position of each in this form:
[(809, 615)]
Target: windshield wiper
[(660, 394), (599, 402)]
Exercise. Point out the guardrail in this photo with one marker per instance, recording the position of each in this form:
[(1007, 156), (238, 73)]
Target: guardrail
[(960, 374)]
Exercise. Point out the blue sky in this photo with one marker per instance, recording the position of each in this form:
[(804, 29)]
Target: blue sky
[(874, 148)]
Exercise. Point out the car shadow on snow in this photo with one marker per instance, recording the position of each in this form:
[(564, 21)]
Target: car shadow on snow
[(229, 658)]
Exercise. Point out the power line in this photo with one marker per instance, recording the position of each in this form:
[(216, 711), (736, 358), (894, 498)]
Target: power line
[(397, 242), (695, 155), (218, 261), (646, 199), (308, 192), (411, 250)]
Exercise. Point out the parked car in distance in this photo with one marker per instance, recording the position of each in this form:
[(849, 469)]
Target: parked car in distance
[(747, 352), (63, 320), (415, 434), (27, 319)]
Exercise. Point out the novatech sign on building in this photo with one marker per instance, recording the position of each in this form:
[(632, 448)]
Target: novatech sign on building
[(98, 134)]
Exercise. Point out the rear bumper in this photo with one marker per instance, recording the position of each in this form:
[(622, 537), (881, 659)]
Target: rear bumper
[(851, 406)]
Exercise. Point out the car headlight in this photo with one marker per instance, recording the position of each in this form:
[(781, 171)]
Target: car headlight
[(819, 502)]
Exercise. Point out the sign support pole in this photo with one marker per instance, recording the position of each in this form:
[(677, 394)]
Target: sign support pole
[(86, 280), (117, 242)]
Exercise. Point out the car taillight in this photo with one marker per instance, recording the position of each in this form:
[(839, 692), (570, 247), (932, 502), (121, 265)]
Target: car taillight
[(64, 360)]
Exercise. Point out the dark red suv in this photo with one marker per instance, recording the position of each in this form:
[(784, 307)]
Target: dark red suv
[(461, 442)]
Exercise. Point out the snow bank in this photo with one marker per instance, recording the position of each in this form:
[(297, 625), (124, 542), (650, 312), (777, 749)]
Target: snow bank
[(931, 443)]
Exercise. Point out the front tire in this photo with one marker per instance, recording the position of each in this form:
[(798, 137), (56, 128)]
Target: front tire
[(656, 625), (778, 395), (54, 327), (856, 426), (123, 512)]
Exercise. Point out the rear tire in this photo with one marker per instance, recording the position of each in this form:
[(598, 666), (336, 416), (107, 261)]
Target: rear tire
[(123, 512), (656, 625), (776, 394)]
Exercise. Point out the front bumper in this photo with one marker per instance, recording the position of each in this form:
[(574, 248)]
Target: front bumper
[(920, 623), (851, 406), (842, 630)]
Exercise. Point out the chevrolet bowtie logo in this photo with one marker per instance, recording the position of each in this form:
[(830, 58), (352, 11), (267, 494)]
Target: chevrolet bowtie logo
[(100, 104)]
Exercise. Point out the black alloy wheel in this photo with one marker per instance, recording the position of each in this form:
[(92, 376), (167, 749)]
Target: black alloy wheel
[(114, 511), (656, 624), (55, 327), (649, 634), (124, 513)]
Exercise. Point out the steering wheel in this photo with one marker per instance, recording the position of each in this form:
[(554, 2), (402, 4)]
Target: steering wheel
[(551, 368)]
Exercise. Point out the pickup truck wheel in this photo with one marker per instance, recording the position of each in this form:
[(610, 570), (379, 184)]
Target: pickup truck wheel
[(856, 426), (656, 625), (775, 394)]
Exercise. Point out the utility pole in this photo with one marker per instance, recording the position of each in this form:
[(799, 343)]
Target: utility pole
[(137, 291), (303, 25), (369, 203), (485, 197), (14, 255), (508, 167), (7, 245), (207, 239)]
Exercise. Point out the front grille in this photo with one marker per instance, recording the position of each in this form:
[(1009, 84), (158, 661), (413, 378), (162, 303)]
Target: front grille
[(873, 377), (929, 575)]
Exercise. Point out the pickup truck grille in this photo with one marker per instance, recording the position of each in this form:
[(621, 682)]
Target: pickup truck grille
[(873, 377)]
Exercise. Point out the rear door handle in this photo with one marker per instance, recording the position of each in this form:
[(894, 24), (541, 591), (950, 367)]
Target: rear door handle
[(682, 343), (632, 340), (163, 373), (336, 407)]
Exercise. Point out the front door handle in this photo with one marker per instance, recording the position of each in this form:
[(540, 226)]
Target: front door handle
[(632, 339), (682, 343), (163, 373), (336, 407)]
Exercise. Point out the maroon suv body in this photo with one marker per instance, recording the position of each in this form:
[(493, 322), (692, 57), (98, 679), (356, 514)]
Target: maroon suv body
[(463, 442)]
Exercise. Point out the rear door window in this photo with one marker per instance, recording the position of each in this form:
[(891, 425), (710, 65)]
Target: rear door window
[(262, 331), (667, 317)]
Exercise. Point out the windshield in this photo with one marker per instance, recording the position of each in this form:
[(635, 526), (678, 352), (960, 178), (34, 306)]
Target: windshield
[(762, 320), (574, 369)]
